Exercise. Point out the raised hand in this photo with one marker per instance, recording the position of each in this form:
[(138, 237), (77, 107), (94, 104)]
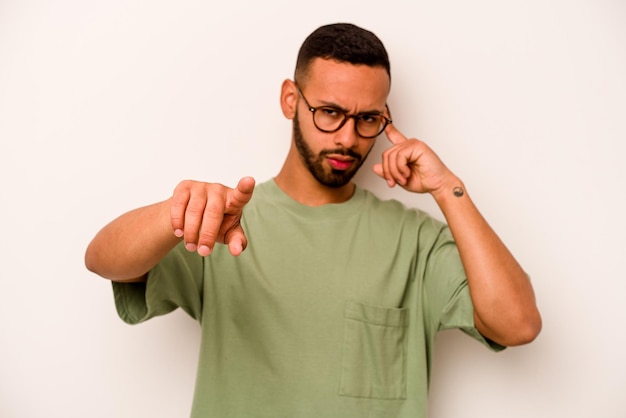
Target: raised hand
[(411, 164), (205, 213)]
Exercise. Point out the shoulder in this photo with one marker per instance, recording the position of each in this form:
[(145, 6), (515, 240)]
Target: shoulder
[(394, 209), (393, 215)]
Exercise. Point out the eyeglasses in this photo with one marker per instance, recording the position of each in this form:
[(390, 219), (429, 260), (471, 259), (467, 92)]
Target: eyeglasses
[(330, 119)]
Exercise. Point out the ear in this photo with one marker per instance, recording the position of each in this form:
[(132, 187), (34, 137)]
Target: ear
[(289, 99)]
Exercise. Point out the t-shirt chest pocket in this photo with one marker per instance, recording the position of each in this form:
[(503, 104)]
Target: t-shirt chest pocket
[(374, 353)]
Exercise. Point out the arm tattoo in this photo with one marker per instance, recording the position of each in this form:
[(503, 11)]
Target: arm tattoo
[(458, 192)]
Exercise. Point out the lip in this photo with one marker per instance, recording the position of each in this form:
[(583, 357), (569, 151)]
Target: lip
[(340, 162)]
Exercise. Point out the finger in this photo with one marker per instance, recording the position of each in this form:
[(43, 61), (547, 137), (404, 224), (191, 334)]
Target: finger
[(395, 165), (404, 167), (240, 195), (393, 135), (378, 170), (382, 168), (212, 219), (194, 217), (180, 199), (236, 240)]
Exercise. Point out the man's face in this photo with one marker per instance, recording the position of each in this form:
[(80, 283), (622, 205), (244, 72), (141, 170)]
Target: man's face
[(344, 162), (334, 158)]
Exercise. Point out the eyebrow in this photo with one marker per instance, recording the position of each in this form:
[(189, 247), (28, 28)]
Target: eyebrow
[(344, 110)]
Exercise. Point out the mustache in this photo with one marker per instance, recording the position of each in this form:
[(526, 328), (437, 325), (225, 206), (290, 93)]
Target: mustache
[(342, 151)]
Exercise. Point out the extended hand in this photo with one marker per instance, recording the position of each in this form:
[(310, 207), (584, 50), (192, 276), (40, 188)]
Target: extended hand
[(411, 164), (205, 213)]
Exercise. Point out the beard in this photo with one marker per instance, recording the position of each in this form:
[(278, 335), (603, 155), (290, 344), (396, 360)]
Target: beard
[(315, 163)]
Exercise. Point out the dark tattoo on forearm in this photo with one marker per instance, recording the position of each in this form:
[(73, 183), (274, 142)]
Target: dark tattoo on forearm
[(458, 192)]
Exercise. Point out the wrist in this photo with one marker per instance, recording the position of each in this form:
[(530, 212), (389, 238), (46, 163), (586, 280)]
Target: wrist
[(452, 189)]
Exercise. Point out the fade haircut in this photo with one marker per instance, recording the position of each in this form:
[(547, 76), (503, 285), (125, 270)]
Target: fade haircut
[(342, 42)]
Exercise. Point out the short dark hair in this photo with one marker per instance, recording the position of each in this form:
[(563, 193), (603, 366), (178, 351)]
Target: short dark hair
[(343, 42)]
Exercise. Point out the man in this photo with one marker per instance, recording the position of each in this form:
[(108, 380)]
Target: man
[(333, 307)]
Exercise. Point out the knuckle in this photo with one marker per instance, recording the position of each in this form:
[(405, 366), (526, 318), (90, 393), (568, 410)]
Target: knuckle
[(194, 210), (207, 236), (213, 214), (183, 185)]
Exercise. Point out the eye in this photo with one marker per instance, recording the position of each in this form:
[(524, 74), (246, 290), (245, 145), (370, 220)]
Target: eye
[(331, 112), (370, 118)]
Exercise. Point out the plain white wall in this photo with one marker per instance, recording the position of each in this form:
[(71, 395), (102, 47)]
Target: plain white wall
[(106, 105)]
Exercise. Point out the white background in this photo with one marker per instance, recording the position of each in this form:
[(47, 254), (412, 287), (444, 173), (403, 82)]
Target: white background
[(107, 105)]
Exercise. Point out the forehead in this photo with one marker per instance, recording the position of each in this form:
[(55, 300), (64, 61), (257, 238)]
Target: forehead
[(354, 87)]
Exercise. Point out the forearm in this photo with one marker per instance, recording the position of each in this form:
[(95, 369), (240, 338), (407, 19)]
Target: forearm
[(128, 247), (503, 297)]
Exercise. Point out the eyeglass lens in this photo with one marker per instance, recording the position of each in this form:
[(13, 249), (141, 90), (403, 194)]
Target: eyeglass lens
[(331, 119)]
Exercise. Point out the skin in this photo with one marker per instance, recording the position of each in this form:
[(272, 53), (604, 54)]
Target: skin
[(355, 89), (203, 214)]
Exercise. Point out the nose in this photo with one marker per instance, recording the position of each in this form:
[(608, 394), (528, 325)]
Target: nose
[(347, 136)]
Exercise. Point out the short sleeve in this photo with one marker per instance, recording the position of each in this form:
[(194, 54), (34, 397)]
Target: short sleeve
[(176, 282), (459, 313), (447, 292)]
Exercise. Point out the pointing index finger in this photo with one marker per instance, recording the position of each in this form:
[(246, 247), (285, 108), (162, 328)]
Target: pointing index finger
[(241, 195), (393, 135)]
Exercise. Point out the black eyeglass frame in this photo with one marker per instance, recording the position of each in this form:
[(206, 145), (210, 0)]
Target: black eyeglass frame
[(346, 116)]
